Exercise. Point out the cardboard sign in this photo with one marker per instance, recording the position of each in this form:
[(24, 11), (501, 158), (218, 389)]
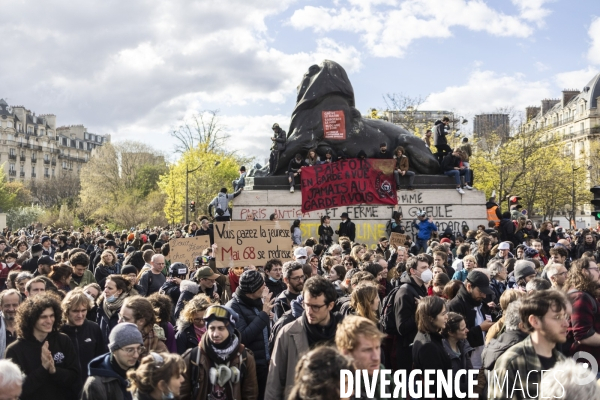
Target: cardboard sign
[(334, 125), (86, 230), (185, 250), (397, 240), (242, 243), (348, 182)]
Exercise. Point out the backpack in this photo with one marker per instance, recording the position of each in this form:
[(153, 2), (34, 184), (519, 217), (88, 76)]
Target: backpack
[(388, 317)]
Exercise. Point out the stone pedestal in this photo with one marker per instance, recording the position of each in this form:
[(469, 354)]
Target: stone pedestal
[(447, 207)]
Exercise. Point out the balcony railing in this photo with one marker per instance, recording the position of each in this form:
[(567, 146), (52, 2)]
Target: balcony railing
[(33, 159), (33, 175), (561, 122), (582, 133), (53, 162), (22, 158), (46, 175), (12, 156), (12, 173), (46, 162), (22, 174)]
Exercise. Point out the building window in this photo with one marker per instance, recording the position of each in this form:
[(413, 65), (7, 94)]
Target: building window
[(11, 167), (53, 172), (41, 132), (64, 142), (13, 152), (9, 124)]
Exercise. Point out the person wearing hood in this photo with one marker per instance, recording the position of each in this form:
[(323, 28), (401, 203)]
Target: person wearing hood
[(221, 204), (190, 324), (220, 367), (108, 373), (470, 302), (317, 326), (440, 130), (413, 287), (253, 303)]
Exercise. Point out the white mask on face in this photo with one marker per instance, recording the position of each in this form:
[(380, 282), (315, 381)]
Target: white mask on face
[(301, 261), (426, 275)]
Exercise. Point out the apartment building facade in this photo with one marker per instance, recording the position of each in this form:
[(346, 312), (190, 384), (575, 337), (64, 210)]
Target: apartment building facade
[(33, 147)]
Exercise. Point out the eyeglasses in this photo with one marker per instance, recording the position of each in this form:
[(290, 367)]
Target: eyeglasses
[(132, 350), (313, 307), (296, 278), (594, 268), (561, 317), (348, 263)]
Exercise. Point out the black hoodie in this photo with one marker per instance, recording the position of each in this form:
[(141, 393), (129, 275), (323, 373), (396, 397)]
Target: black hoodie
[(39, 383), (104, 382), (464, 304), (88, 342), (405, 308)]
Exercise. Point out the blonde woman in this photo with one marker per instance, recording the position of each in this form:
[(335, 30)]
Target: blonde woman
[(364, 300), (469, 262), (190, 324), (107, 266)]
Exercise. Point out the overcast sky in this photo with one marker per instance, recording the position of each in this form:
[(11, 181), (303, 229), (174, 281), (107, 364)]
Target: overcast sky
[(136, 68)]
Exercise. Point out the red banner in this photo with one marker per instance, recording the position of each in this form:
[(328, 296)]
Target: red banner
[(348, 182)]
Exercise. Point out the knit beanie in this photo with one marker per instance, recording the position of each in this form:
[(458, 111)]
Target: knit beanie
[(122, 335), (251, 281), (129, 269), (224, 314), (524, 269)]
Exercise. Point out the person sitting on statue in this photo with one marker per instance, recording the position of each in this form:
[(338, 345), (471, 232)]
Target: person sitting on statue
[(383, 154), (312, 158), (402, 168), (221, 204), (294, 169), (328, 157), (279, 138), (452, 166), (241, 182)]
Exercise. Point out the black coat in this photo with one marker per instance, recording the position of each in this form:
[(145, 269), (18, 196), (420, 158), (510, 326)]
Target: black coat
[(507, 231), (429, 353), (405, 308), (496, 347), (252, 325), (30, 265), (325, 235), (106, 324), (439, 133), (464, 305), (186, 339), (39, 384), (88, 342), (275, 287), (546, 239), (283, 304), (347, 228), (171, 289), (450, 162)]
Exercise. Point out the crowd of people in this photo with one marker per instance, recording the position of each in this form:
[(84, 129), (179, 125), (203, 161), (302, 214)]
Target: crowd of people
[(453, 162), (105, 315)]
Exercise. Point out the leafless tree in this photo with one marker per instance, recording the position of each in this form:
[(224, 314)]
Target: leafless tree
[(56, 190), (202, 129), (408, 106)]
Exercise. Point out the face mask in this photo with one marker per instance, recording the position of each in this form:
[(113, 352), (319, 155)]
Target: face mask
[(273, 279), (301, 261), (111, 299), (426, 276), (89, 296), (10, 264), (167, 396)]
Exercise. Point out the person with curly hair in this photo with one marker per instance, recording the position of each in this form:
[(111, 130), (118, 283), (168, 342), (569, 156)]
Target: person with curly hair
[(159, 376), (47, 357), (190, 324), (318, 375)]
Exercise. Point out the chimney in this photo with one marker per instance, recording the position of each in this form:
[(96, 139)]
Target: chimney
[(547, 104), (531, 112), (567, 95)]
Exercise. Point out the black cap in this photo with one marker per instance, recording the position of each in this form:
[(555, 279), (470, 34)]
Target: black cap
[(130, 249), (344, 215), (111, 243), (101, 241), (178, 269), (480, 280), (46, 260), (129, 269)]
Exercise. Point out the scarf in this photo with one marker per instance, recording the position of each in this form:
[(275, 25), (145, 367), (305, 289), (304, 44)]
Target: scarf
[(317, 334), (2, 334), (234, 280), (111, 269), (199, 332), (115, 306), (223, 352)]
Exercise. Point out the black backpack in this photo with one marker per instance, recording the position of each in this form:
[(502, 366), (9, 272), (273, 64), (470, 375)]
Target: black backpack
[(388, 317)]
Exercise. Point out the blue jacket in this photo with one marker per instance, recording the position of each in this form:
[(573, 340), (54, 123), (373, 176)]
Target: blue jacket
[(425, 229)]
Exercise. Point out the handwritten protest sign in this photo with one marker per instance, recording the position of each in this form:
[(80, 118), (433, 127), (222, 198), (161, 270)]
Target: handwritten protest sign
[(348, 182), (397, 240), (185, 250), (242, 243)]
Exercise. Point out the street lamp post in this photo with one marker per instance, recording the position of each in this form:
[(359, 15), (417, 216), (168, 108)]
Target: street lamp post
[(187, 205)]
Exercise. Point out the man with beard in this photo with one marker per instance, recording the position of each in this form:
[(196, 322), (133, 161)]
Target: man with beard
[(317, 326), (581, 287), (108, 373), (293, 276), (544, 314), (9, 301), (44, 267), (470, 303)]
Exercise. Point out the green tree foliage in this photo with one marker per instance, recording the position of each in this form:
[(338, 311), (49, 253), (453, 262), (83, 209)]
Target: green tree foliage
[(118, 183), (204, 183), (20, 217)]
